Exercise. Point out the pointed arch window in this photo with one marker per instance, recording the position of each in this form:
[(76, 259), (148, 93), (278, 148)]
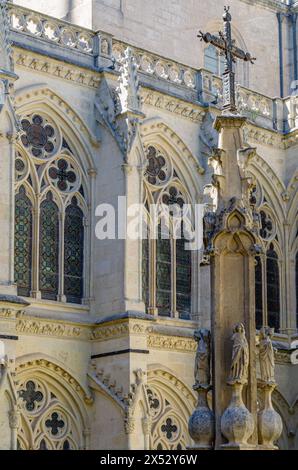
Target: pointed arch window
[(267, 289), (273, 289), (166, 261), (50, 236), (73, 252), (23, 242), (49, 249)]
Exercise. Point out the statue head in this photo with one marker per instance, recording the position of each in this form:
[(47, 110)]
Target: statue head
[(202, 335), (239, 328)]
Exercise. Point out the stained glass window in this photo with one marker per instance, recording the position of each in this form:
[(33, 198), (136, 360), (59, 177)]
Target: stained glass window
[(73, 253), (145, 271), (163, 275), (259, 293), (23, 243), (49, 249), (273, 289), (183, 273), (297, 289)]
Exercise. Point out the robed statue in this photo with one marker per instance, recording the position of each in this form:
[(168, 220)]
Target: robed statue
[(266, 356), (202, 361), (240, 356)]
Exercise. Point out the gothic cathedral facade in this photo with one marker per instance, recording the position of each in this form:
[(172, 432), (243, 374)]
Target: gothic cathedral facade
[(103, 100)]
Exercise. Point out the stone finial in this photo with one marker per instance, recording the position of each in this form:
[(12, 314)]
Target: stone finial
[(202, 371), (240, 356), (129, 98)]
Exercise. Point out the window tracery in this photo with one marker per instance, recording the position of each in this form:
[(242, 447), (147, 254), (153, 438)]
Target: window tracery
[(267, 265), (166, 262), (169, 431), (47, 423), (51, 214)]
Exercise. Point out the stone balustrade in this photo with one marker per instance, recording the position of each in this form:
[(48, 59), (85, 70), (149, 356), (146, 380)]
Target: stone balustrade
[(97, 49), (51, 29), (154, 65)]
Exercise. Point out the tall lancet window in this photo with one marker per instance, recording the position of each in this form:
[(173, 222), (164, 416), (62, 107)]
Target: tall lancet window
[(267, 266), (51, 213), (273, 289), (49, 249), (73, 252), (163, 274), (259, 293), (23, 242), (166, 261)]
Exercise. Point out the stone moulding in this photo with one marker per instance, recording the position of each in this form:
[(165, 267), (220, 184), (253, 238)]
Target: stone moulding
[(52, 368)]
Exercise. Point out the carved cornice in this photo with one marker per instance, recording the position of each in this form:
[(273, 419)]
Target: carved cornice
[(173, 105), (58, 69)]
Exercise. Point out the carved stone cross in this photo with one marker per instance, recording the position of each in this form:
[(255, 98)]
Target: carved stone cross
[(226, 45)]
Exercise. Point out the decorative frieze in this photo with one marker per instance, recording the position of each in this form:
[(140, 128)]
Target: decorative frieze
[(171, 343), (38, 327), (58, 69), (119, 330), (173, 105)]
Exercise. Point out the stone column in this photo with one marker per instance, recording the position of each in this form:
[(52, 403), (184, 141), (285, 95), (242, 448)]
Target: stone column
[(147, 425), (232, 247)]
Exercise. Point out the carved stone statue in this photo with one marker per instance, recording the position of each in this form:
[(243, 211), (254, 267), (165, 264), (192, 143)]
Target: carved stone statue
[(266, 356), (202, 361), (240, 356)]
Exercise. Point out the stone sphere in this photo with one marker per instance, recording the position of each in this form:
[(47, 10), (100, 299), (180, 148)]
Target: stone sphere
[(202, 427)]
